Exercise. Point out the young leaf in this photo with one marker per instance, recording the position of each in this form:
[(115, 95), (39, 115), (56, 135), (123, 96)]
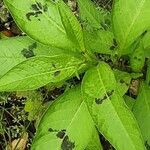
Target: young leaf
[(130, 20), (41, 21), (71, 25), (90, 15), (39, 71), (141, 111), (66, 125), (18, 49), (110, 113)]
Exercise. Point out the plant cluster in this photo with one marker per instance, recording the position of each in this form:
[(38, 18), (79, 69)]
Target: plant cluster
[(110, 49)]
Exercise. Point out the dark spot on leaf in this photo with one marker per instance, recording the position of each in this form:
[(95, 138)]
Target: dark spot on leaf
[(147, 145), (45, 8), (98, 101), (32, 46), (53, 65), (28, 15), (52, 130), (110, 93), (61, 134), (101, 100), (27, 53), (37, 13), (67, 144), (56, 73), (112, 47), (35, 7), (122, 81), (135, 57), (39, 5), (115, 42)]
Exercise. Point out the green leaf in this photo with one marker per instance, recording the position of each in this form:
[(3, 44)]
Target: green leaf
[(41, 21), (71, 25), (99, 41), (123, 81), (110, 113), (15, 50), (146, 40), (137, 59), (130, 20), (141, 111), (129, 101), (146, 44), (89, 13), (39, 71), (66, 123), (148, 73)]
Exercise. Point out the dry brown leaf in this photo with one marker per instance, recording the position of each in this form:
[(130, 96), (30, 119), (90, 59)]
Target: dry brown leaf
[(18, 144)]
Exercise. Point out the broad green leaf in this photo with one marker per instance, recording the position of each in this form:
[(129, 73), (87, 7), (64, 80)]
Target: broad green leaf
[(39, 71), (141, 111), (18, 49), (71, 25), (99, 41), (110, 113), (41, 20), (66, 124), (129, 101), (130, 20)]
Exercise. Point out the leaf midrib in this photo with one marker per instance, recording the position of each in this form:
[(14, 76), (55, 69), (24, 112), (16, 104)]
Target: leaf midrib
[(99, 74), (133, 22), (48, 18)]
